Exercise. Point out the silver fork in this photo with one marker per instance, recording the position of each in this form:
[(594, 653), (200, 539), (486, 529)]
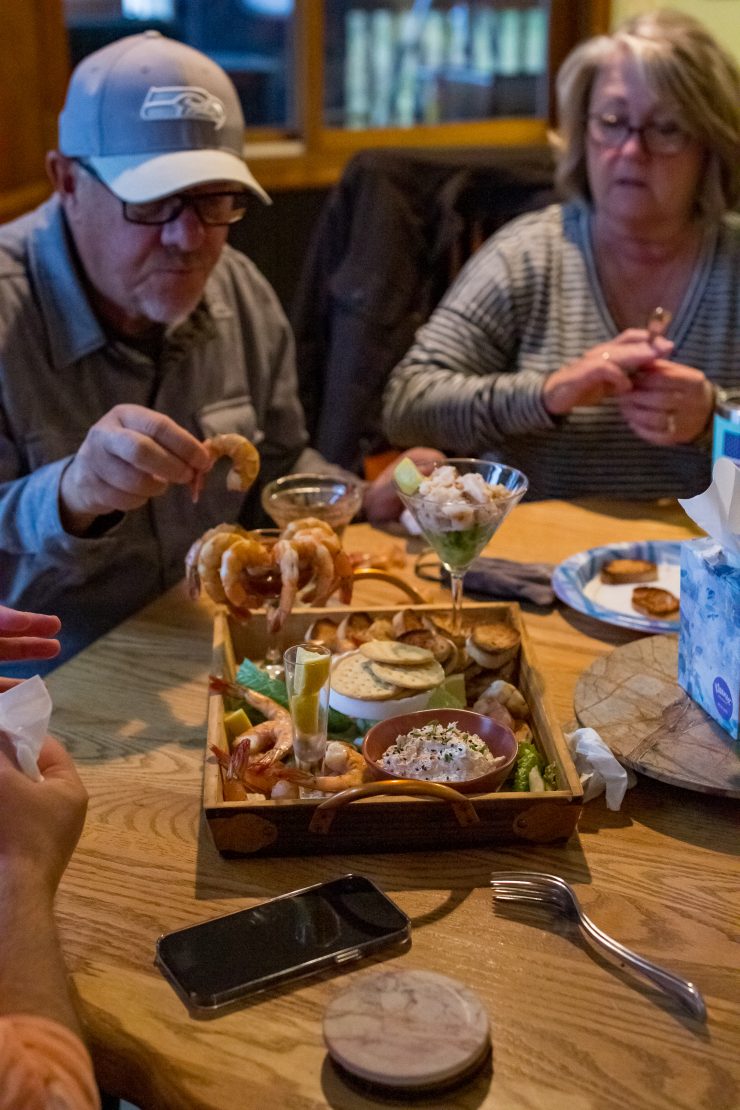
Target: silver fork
[(551, 890)]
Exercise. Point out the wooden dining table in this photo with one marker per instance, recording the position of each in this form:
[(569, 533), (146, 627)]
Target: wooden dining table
[(568, 1029)]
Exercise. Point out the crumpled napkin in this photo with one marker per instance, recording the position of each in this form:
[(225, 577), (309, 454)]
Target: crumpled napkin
[(25, 710), (598, 768), (510, 581), (502, 579)]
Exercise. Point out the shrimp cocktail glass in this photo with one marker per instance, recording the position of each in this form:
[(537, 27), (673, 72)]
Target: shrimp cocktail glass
[(308, 681), (458, 504), (320, 496)]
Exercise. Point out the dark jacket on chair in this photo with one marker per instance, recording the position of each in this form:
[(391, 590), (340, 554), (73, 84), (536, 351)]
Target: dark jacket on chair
[(390, 239)]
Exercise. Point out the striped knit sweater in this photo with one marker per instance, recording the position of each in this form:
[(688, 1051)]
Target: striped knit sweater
[(527, 303)]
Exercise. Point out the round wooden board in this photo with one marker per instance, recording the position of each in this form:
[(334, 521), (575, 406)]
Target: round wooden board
[(632, 699)]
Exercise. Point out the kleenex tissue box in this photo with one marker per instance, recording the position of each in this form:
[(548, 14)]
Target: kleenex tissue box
[(709, 641)]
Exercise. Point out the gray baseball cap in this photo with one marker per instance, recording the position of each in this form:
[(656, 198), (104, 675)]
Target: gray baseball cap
[(153, 116)]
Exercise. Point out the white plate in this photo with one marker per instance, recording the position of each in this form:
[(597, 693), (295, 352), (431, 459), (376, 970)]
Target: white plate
[(577, 582), (370, 710), (377, 710)]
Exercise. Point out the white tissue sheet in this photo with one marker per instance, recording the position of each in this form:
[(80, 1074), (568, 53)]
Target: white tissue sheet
[(717, 510), (25, 710), (598, 769)]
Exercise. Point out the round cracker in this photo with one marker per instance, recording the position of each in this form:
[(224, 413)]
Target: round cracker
[(400, 655), (352, 677), (412, 678)]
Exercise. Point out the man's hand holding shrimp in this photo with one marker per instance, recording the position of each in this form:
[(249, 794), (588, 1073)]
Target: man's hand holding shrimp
[(129, 456), (603, 371), (669, 403)]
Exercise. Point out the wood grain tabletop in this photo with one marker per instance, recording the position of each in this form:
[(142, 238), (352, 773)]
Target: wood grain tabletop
[(568, 1029)]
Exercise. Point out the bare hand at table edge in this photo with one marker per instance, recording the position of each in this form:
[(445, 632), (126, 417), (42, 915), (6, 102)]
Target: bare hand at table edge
[(669, 403), (40, 824), (128, 456), (26, 636), (381, 502), (603, 371)]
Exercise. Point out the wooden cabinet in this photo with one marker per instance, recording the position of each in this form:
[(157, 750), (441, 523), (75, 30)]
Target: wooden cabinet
[(34, 67)]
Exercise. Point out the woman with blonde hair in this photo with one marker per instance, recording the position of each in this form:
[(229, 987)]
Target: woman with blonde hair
[(548, 350)]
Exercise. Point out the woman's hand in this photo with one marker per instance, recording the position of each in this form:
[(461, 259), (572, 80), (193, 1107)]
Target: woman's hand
[(603, 371), (669, 403), (381, 502)]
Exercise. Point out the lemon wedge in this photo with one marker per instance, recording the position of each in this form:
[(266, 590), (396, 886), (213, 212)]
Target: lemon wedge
[(237, 722), (305, 712), (408, 476), (311, 671)]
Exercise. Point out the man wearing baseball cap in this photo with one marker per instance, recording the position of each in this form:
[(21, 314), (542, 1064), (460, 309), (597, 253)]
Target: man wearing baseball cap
[(129, 332)]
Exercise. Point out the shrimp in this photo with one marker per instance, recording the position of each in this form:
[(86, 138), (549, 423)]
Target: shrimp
[(322, 568), (243, 454), (245, 461), (345, 577), (347, 768), (308, 524), (241, 776), (210, 563), (277, 730), (285, 555), (319, 544), (237, 559), (192, 572)]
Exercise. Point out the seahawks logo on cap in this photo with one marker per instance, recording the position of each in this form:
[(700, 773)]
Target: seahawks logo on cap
[(183, 102)]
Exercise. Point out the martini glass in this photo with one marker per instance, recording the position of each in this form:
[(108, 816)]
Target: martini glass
[(459, 524)]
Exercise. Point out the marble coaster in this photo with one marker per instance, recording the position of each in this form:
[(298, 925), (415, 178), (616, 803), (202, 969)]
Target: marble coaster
[(407, 1029)]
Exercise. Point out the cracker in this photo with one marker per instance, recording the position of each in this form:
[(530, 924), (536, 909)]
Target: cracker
[(412, 678), (352, 677), (401, 655)]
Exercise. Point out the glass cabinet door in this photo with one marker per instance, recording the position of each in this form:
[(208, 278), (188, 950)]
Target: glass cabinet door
[(251, 39), (410, 63)]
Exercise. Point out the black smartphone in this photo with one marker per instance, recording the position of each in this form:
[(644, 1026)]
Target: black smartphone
[(218, 962)]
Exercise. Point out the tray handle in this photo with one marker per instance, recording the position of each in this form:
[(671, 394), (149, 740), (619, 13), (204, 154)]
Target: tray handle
[(383, 576), (326, 811)]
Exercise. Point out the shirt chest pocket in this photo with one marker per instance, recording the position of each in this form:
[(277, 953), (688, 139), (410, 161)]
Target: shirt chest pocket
[(234, 415), (49, 445)]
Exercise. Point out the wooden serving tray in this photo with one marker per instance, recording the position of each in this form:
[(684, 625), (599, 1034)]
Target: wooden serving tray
[(382, 817)]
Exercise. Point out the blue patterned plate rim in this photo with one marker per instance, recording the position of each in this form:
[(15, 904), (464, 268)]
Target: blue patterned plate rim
[(570, 578)]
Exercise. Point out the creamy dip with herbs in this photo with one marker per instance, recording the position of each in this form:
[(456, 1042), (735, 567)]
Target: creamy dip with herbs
[(439, 753)]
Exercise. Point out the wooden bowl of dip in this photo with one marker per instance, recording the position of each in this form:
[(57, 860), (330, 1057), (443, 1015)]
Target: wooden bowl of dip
[(499, 740)]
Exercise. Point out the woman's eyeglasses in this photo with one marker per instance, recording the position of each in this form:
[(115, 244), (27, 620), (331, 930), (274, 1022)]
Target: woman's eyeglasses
[(213, 209), (607, 129)]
